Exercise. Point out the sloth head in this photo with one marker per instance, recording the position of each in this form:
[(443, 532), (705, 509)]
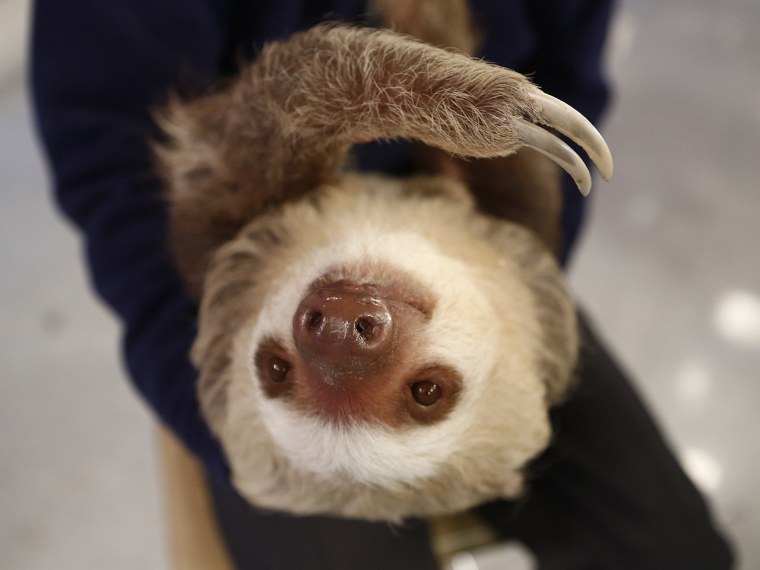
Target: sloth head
[(379, 350)]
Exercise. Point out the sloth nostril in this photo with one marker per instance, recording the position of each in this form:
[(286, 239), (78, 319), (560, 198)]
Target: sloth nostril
[(314, 320), (365, 327)]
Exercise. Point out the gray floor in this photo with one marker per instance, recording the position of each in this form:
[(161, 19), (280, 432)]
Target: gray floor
[(668, 268)]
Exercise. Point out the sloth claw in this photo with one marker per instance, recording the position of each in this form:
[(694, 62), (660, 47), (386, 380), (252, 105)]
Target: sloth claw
[(561, 117), (557, 150)]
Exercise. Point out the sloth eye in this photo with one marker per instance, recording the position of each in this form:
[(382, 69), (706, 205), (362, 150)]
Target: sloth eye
[(273, 368), (277, 369), (433, 392), (426, 393)]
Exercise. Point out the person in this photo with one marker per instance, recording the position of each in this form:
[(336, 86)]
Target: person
[(607, 494)]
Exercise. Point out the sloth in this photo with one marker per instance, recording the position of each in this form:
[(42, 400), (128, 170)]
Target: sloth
[(374, 347)]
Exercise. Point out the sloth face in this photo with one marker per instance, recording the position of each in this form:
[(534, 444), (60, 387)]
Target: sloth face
[(375, 348), (390, 363), (372, 367)]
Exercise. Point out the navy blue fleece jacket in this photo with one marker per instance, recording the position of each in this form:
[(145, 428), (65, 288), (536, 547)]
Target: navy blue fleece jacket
[(99, 67)]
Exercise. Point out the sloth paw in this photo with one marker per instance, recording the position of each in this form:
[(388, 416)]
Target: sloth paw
[(561, 117)]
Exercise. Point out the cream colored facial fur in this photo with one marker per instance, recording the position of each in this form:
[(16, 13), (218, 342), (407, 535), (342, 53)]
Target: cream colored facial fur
[(486, 324), (260, 209)]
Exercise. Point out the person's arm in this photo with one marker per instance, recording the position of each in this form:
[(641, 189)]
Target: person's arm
[(570, 65), (98, 68)]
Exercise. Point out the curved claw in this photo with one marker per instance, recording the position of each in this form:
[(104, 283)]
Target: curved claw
[(562, 117), (558, 151)]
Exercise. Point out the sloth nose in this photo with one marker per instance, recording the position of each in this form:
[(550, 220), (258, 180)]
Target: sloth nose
[(346, 330)]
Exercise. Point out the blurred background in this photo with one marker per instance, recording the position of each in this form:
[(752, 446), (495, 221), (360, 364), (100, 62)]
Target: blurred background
[(668, 268)]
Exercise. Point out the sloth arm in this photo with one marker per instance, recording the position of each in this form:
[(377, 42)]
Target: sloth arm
[(285, 125)]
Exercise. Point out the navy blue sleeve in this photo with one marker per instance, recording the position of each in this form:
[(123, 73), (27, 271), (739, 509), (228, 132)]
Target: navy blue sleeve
[(569, 64), (97, 70)]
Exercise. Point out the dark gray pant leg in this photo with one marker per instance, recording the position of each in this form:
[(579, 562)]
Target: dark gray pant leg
[(263, 540), (609, 493)]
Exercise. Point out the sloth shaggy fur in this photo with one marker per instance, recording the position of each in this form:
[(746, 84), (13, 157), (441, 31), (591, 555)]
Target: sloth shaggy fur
[(260, 208)]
